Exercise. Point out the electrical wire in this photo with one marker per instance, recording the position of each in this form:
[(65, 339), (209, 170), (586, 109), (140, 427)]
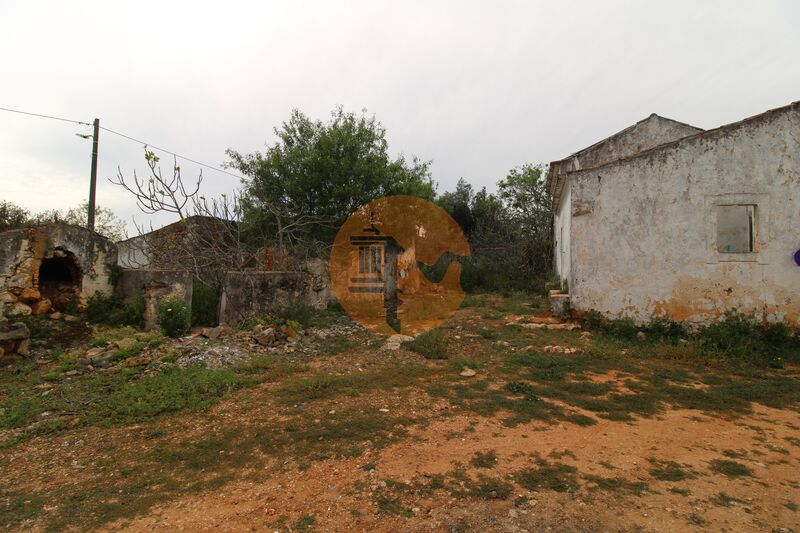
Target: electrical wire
[(44, 116), (143, 143)]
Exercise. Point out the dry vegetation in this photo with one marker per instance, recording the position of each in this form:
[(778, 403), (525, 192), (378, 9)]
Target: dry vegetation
[(659, 433)]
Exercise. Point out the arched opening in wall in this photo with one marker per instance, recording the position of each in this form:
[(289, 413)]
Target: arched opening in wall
[(59, 280)]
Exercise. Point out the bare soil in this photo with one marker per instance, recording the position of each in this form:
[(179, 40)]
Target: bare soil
[(396, 453)]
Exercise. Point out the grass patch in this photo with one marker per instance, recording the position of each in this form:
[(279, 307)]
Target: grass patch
[(488, 333), (548, 476), (341, 436), (723, 499), (431, 345), (617, 484), (489, 488), (729, 468), (304, 523), (337, 344), (737, 338), (669, 471), (194, 388), (486, 459), (122, 398), (326, 385), (392, 506)]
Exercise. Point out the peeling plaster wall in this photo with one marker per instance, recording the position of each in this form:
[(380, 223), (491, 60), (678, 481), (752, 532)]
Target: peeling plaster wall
[(255, 293), (643, 239), (562, 228), (154, 285), (645, 134), (22, 252)]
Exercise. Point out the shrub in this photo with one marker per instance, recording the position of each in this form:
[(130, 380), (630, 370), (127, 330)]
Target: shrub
[(194, 388), (742, 337), (736, 336), (173, 317), (100, 307), (205, 300), (431, 345), (133, 312)]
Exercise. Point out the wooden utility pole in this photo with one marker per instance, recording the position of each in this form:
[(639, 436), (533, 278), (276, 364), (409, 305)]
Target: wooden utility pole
[(93, 181)]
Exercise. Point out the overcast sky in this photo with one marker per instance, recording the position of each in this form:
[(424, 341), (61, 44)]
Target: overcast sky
[(476, 87)]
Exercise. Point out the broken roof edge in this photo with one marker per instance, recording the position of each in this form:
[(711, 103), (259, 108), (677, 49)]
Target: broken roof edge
[(690, 138), (626, 130), (171, 224), (52, 223), (550, 186)]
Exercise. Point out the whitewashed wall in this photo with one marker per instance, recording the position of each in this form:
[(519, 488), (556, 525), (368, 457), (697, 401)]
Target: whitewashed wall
[(643, 239)]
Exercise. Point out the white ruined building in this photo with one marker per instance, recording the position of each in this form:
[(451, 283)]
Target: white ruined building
[(666, 220)]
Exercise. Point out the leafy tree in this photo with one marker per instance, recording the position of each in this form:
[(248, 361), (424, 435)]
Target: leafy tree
[(525, 195), (459, 204), (509, 233), (106, 222), (317, 173), (12, 216)]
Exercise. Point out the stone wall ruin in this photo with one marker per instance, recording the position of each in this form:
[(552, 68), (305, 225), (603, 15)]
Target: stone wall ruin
[(53, 266)]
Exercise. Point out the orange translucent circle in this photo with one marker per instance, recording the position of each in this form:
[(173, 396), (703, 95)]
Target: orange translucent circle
[(374, 265)]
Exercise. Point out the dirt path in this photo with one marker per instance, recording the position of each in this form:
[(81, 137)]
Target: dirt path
[(339, 495)]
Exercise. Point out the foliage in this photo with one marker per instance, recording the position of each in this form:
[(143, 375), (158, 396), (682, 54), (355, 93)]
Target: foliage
[(99, 307), (205, 300), (191, 388), (102, 309), (173, 317), (431, 345), (736, 336), (743, 337), (133, 311), (12, 216), (106, 222), (303, 187), (509, 233)]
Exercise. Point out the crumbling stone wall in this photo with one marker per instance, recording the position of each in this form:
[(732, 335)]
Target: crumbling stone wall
[(44, 267), (254, 293), (154, 285)]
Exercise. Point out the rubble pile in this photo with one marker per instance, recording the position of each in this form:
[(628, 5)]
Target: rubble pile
[(271, 335), (14, 339)]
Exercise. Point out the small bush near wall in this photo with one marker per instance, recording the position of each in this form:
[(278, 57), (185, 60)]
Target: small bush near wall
[(173, 317), (735, 337), (205, 301), (741, 336), (133, 312), (101, 309)]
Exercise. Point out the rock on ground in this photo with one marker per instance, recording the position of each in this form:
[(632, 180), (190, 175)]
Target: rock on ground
[(394, 342)]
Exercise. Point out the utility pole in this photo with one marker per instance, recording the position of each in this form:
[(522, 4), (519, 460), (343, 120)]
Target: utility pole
[(93, 181)]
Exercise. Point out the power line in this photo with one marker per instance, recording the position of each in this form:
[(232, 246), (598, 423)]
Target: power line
[(211, 167), (143, 143), (44, 116)]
